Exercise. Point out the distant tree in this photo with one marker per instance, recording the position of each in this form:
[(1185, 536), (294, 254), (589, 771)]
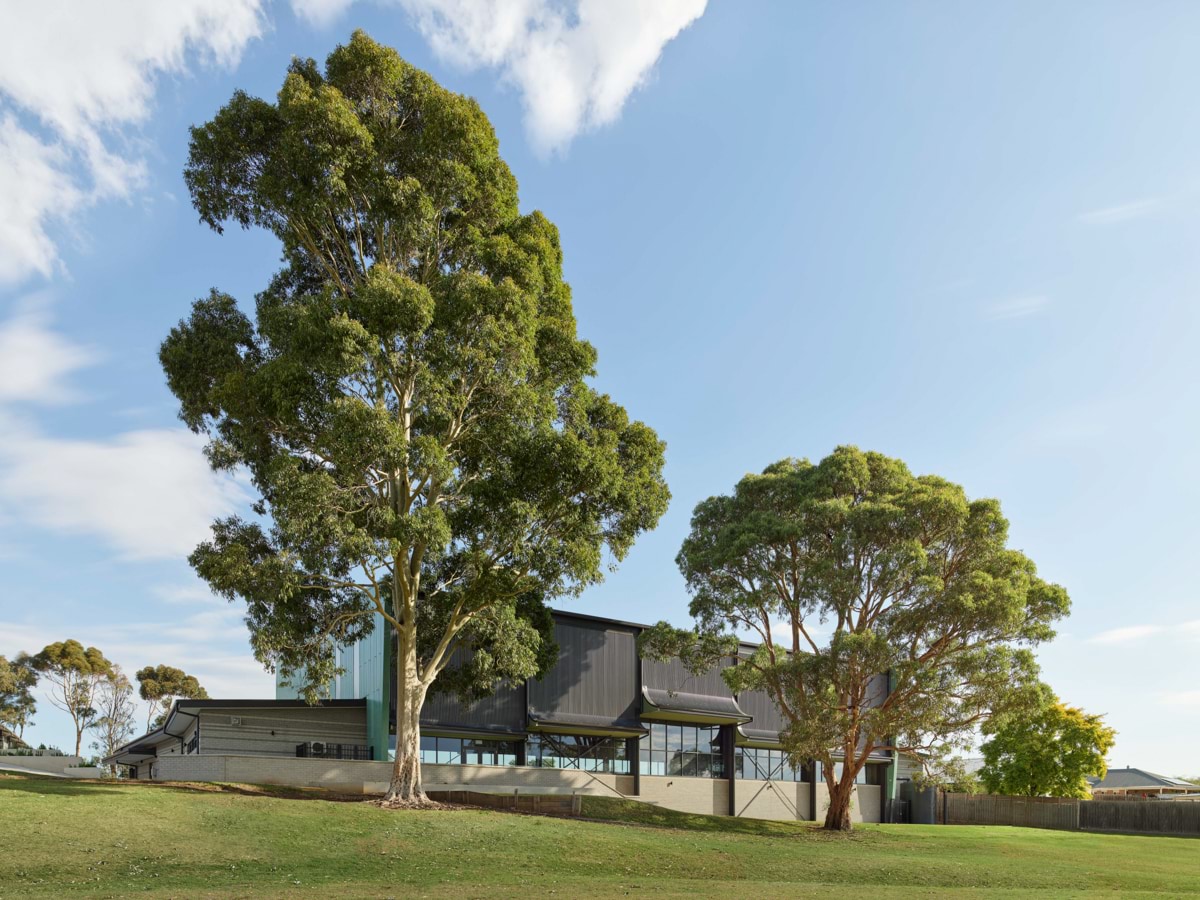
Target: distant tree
[(1047, 751), (161, 686), (115, 713), (75, 675), (915, 582), (17, 703), (412, 400)]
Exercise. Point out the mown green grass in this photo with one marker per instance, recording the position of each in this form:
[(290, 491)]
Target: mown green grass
[(66, 839)]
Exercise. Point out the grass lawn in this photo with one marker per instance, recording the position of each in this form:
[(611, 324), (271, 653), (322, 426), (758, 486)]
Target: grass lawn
[(67, 838)]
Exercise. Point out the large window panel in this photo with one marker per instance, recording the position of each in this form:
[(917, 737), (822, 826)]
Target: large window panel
[(689, 751)]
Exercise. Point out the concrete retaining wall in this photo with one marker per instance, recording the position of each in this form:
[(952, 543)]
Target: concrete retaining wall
[(54, 765)]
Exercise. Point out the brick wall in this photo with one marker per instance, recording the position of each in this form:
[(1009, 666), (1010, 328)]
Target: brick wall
[(786, 800), (866, 805), (709, 796)]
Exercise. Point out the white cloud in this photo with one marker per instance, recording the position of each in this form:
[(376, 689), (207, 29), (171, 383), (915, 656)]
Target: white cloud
[(1017, 307), (1111, 215), (1127, 634), (34, 361), (1180, 699), (575, 62), (320, 13), (74, 78), (147, 493)]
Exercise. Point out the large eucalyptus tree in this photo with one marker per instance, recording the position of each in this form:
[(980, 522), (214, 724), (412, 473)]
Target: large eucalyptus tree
[(850, 572), (411, 399)]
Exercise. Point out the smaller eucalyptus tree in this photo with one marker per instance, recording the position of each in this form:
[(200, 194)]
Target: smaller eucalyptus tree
[(850, 572), (160, 686), (17, 703), (75, 674)]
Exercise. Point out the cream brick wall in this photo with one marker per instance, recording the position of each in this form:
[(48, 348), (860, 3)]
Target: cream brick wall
[(785, 800), (865, 805), (709, 796), (506, 779)]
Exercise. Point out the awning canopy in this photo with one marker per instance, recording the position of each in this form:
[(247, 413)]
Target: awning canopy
[(573, 723), (698, 709), (756, 737)]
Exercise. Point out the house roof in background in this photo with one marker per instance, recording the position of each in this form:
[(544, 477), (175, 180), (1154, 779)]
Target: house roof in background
[(1130, 778)]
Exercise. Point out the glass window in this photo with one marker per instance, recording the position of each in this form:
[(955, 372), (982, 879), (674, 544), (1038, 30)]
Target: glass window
[(766, 764), (687, 750), (468, 751), (586, 753)]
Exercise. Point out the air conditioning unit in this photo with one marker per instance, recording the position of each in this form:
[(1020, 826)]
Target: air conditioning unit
[(235, 720), (317, 748)]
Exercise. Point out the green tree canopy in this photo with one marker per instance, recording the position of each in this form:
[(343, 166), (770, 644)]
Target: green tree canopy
[(17, 703), (411, 399), (74, 674), (850, 573), (1048, 750), (162, 685)]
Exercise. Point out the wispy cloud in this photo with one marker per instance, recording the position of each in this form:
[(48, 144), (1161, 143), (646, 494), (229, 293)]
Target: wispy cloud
[(1016, 307), (1126, 635), (1111, 215), (574, 62), (1180, 699), (1129, 634), (148, 493), (76, 79)]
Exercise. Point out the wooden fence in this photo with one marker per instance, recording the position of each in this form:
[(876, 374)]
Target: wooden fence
[(1179, 817), (1027, 812), (1117, 816), (541, 804)]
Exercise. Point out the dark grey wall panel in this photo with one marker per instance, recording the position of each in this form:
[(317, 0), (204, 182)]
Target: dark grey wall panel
[(766, 714), (504, 710), (674, 676), (596, 672)]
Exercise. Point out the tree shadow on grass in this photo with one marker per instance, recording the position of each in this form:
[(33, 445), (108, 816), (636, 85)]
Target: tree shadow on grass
[(35, 783), (54, 787)]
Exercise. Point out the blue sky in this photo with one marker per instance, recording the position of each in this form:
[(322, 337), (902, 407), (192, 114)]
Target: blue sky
[(961, 234)]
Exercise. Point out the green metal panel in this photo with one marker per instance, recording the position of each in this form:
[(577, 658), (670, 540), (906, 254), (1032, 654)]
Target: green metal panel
[(375, 667)]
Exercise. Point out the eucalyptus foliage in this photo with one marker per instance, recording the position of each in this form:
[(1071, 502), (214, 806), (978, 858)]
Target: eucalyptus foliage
[(410, 399), (852, 573), (74, 674), (162, 685), (17, 703)]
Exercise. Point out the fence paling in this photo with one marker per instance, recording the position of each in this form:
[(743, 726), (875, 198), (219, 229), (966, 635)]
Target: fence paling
[(1147, 817), (1067, 814)]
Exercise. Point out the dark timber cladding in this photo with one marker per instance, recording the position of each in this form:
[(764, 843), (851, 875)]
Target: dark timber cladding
[(593, 684)]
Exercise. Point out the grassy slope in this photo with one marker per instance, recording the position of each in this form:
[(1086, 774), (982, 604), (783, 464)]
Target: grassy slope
[(94, 839)]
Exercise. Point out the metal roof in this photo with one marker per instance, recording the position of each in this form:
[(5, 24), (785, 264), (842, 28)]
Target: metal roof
[(698, 708), (1132, 779), (144, 747)]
